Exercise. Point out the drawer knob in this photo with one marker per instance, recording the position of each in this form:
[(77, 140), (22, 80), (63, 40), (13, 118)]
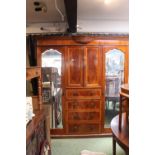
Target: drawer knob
[(75, 93), (76, 116), (91, 93), (91, 116), (91, 128), (75, 104), (92, 105), (75, 128)]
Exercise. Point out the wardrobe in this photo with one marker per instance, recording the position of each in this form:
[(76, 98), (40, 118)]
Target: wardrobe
[(86, 62)]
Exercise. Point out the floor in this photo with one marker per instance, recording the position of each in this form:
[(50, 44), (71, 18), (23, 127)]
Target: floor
[(75, 146)]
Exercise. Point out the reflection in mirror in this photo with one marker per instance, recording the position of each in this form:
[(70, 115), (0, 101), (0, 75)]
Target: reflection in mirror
[(114, 77), (51, 85), (29, 91)]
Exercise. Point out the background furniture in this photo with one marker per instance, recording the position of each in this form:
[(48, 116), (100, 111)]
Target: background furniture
[(37, 130), (35, 72), (124, 100), (121, 137), (36, 134), (45, 148)]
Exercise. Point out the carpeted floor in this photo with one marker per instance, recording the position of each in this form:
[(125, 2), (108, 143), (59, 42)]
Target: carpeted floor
[(75, 146)]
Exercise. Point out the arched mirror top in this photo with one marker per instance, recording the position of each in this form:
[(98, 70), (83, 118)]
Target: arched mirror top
[(116, 52), (51, 58), (114, 62), (51, 53)]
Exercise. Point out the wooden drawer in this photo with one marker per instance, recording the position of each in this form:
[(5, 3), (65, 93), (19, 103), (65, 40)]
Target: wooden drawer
[(83, 93), (32, 72), (83, 116), (83, 104), (83, 128)]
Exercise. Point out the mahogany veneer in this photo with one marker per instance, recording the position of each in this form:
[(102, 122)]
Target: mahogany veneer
[(83, 79), (121, 137)]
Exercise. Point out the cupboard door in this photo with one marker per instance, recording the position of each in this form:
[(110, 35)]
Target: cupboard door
[(115, 74), (52, 63), (75, 66), (92, 67)]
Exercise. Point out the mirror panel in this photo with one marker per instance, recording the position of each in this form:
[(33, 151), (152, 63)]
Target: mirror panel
[(114, 77), (51, 85)]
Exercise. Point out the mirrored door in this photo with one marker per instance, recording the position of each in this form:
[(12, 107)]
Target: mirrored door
[(115, 71), (51, 62)]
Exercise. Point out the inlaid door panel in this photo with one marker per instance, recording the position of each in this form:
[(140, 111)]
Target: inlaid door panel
[(92, 69), (75, 66)]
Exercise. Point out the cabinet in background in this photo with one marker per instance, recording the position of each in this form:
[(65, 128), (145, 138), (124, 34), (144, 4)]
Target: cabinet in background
[(36, 134), (37, 130), (31, 73)]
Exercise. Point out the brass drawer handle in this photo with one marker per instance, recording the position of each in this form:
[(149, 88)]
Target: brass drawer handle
[(91, 128), (75, 128), (91, 93), (75, 93), (76, 117), (91, 116), (75, 105), (92, 105)]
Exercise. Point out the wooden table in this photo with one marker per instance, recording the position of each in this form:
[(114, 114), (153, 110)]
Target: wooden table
[(125, 88), (121, 137), (124, 96)]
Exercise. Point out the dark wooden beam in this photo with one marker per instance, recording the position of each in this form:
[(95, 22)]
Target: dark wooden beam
[(71, 11)]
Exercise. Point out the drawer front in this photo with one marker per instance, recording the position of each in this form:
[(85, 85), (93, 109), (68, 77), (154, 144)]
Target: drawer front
[(83, 128), (83, 104), (83, 116), (83, 93)]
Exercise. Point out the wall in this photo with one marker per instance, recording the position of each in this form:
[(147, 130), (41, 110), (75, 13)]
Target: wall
[(106, 26), (113, 26)]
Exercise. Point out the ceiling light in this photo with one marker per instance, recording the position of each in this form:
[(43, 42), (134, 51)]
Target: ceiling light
[(107, 1)]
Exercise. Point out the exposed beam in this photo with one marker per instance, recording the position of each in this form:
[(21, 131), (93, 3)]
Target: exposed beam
[(71, 11)]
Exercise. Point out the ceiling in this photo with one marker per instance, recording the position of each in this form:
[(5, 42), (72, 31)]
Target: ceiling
[(91, 15)]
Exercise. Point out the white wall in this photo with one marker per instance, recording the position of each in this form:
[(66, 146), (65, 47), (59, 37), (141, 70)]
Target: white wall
[(48, 27), (84, 26), (103, 26)]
